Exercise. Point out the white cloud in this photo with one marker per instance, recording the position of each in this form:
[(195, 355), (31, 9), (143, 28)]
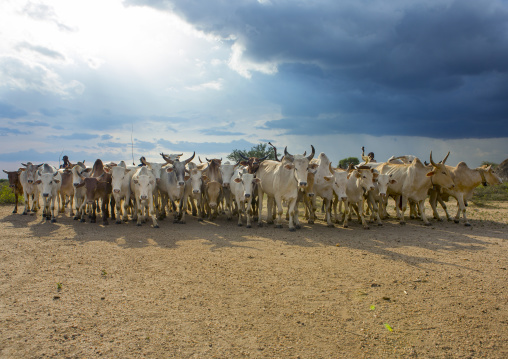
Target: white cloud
[(244, 67), (212, 85)]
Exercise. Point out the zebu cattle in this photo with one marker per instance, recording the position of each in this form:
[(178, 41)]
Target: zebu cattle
[(49, 182), (414, 182), (252, 164), (338, 179), (406, 159), (376, 198), (323, 186), (66, 189), (242, 186), (281, 181), (359, 182), (143, 185), (212, 183), (175, 185), (197, 186), (79, 171), (156, 168), (466, 180), (121, 176), (227, 170), (30, 189), (98, 187), (15, 185)]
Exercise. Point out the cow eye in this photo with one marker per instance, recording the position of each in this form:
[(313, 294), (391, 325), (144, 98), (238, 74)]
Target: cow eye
[(50, 182), (364, 177), (444, 172)]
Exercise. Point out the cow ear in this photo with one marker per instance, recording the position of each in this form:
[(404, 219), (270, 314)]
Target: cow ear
[(289, 167), (38, 182), (392, 181), (80, 185), (237, 180), (107, 169), (430, 174), (57, 181), (256, 180), (328, 178), (205, 177), (375, 174), (244, 163), (169, 169), (22, 169), (186, 178), (88, 170), (135, 181), (358, 174)]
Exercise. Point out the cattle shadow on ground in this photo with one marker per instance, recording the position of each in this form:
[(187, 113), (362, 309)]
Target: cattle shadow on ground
[(388, 241)]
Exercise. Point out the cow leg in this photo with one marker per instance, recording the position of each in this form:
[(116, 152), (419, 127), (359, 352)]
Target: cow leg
[(293, 212), (260, 207), (361, 215), (152, 212), (280, 212), (27, 202), (61, 201), (346, 214), (421, 207), (183, 209), (53, 199), (461, 209), (16, 205), (433, 204), (270, 210), (403, 202)]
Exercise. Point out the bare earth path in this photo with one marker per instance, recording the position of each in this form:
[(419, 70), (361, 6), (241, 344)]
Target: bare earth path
[(215, 290)]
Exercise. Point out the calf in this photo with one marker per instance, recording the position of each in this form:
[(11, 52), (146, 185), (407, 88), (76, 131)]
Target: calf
[(66, 189), (78, 172), (359, 182), (376, 199), (121, 177), (242, 188), (15, 185)]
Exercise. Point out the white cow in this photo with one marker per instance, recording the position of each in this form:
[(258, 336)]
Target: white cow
[(30, 190), (79, 170), (142, 186), (376, 199), (227, 169), (49, 182), (414, 181), (359, 182), (242, 187), (121, 176), (323, 186), (281, 181)]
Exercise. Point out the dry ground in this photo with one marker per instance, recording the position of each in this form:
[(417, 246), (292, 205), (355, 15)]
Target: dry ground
[(215, 290)]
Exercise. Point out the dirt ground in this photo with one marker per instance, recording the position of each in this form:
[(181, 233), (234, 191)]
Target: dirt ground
[(215, 290)]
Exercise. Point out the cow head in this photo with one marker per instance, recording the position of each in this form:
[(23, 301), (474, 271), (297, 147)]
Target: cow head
[(91, 185), (79, 172), (196, 181), (119, 176), (13, 177), (213, 190), (178, 168), (31, 171), (252, 163), (439, 174), (48, 180), (249, 181), (488, 176), (383, 181), (365, 177), (227, 170), (338, 178), (300, 165), (144, 183)]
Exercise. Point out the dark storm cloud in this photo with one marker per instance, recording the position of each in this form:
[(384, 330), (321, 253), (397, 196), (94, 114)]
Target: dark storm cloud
[(427, 68)]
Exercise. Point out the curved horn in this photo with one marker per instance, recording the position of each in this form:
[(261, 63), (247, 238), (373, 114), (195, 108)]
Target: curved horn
[(304, 153), (287, 154), (264, 158), (190, 158), (242, 156), (207, 160), (350, 167), (363, 151), (143, 160), (446, 157), (431, 160), (199, 158), (330, 167), (165, 157), (311, 156)]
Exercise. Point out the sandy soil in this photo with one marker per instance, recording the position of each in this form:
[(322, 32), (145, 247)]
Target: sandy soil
[(215, 290)]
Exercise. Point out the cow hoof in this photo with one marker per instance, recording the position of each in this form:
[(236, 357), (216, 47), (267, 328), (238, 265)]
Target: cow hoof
[(14, 211), (53, 220), (194, 214), (279, 226), (24, 213), (402, 222), (467, 224), (156, 226), (181, 222), (330, 226), (310, 222), (105, 223), (298, 226), (291, 229), (456, 220), (248, 226), (138, 224), (427, 224), (200, 219), (118, 222), (345, 226), (82, 220), (366, 227), (380, 224)]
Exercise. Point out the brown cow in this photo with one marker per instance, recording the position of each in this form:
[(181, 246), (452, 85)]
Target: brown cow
[(15, 185), (98, 186)]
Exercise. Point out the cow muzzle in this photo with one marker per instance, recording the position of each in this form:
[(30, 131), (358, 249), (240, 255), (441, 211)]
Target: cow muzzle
[(30, 181), (75, 184), (143, 197), (302, 184), (311, 194), (225, 185), (45, 195), (196, 191), (247, 195), (116, 190)]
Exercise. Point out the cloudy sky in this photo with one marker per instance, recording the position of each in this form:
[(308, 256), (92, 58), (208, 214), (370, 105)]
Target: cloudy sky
[(102, 79)]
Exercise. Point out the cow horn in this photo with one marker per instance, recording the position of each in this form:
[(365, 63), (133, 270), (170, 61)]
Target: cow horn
[(207, 160), (166, 158), (287, 154), (431, 160), (311, 156), (264, 158), (350, 167), (330, 167), (190, 158), (446, 157), (242, 156)]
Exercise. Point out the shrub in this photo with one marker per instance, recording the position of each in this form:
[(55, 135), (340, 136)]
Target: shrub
[(6, 194)]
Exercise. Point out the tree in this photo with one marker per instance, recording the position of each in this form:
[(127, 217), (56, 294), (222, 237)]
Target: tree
[(258, 151), (344, 163)]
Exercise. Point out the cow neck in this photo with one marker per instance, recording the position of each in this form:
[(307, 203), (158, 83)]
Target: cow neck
[(484, 181)]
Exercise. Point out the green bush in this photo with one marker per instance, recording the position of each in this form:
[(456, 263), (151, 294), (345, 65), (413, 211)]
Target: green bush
[(6, 194), (491, 193)]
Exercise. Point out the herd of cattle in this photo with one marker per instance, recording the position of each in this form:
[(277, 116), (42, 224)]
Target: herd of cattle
[(154, 189)]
